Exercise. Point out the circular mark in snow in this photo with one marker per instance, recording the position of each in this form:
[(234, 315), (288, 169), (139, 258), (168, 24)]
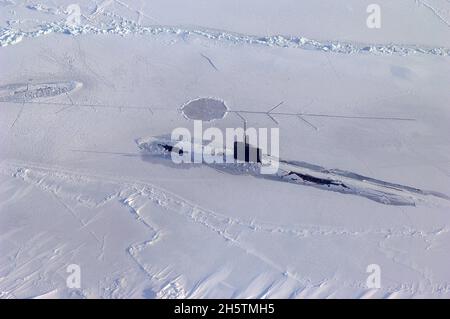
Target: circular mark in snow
[(205, 109)]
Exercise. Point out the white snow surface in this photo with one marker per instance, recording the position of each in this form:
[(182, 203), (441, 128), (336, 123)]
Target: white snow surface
[(358, 104)]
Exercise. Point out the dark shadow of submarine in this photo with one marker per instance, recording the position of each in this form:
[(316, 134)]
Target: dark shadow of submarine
[(387, 196)]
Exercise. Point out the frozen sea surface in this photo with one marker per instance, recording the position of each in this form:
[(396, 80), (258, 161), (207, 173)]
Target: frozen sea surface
[(363, 119)]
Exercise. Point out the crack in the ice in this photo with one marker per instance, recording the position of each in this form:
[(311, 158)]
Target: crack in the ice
[(436, 12)]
